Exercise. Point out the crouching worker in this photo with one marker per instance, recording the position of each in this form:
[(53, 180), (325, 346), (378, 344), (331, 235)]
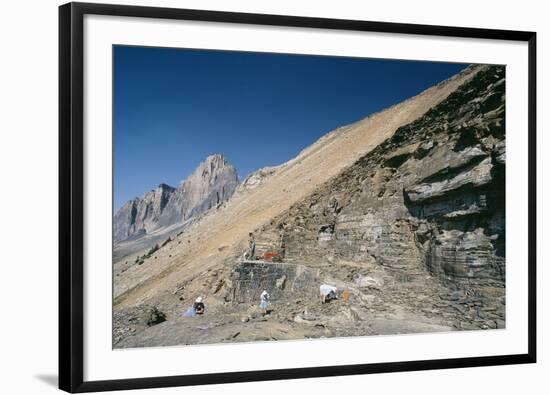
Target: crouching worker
[(328, 293), (196, 308), (264, 301)]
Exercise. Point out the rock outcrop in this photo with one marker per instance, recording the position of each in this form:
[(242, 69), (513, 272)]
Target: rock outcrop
[(213, 182), (429, 200), (257, 178), (284, 281)]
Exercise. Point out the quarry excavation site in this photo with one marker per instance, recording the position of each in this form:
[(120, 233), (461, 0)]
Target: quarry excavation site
[(403, 212)]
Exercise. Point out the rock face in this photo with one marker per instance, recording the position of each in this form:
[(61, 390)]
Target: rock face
[(251, 278), (140, 214), (429, 200), (214, 181), (257, 178)]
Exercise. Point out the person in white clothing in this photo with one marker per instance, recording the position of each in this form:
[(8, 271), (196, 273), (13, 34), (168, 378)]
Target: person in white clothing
[(328, 292), (264, 301)]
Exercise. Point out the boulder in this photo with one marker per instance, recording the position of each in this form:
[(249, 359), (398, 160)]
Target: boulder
[(369, 282)]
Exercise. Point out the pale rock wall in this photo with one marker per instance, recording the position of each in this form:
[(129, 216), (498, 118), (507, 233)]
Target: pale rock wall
[(213, 182)]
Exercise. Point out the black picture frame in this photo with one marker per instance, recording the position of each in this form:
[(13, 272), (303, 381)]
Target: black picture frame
[(71, 173)]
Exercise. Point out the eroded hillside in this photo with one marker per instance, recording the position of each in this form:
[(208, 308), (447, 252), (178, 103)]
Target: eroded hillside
[(426, 206), (223, 232), (403, 209)]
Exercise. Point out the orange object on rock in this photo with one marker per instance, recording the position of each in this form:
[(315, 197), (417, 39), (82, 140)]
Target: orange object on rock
[(345, 295), (270, 256)]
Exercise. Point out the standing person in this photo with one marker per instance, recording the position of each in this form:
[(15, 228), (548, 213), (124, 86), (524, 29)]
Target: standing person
[(264, 301), (251, 246)]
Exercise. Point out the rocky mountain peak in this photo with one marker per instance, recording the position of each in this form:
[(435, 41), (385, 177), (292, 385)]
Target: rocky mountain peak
[(211, 169), (165, 187), (211, 183), (216, 160)]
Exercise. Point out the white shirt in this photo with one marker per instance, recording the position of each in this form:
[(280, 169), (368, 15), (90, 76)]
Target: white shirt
[(264, 296), (325, 289)]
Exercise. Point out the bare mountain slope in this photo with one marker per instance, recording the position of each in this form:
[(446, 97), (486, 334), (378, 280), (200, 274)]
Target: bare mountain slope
[(423, 211), (221, 234)]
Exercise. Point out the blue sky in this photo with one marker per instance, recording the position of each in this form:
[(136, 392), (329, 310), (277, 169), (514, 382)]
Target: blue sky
[(174, 107)]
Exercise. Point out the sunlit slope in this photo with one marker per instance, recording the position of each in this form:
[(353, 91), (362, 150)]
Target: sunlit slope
[(222, 233)]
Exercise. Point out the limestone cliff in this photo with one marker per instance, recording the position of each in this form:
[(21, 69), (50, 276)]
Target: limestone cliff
[(212, 183)]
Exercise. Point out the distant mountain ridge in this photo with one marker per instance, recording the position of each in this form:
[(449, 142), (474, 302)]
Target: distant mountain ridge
[(214, 181)]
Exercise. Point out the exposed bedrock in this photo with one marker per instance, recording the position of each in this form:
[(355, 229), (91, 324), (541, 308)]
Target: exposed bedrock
[(430, 199), (283, 281)]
